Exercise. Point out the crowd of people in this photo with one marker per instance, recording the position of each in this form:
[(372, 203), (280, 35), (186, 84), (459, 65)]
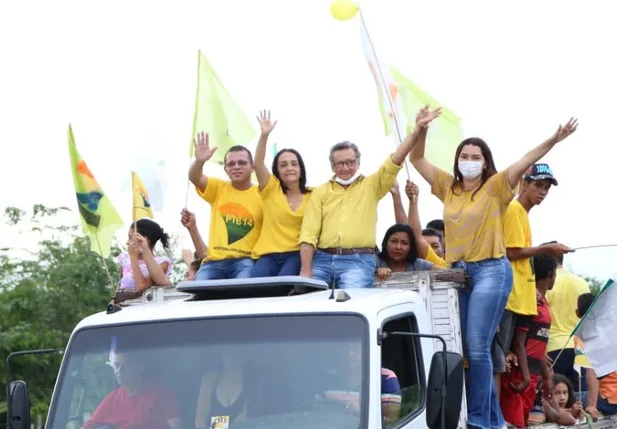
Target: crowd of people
[(525, 304)]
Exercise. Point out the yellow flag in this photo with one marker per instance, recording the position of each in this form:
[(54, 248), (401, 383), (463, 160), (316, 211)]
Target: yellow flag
[(217, 113), (99, 218), (141, 200)]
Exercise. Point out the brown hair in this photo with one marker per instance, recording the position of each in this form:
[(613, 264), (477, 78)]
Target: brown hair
[(488, 171)]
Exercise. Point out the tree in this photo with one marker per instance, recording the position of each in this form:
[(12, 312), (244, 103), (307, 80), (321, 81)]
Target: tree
[(43, 297), (595, 284)]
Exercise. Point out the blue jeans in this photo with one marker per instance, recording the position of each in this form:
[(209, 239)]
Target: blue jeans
[(277, 264), (485, 302), (349, 271), (239, 268)]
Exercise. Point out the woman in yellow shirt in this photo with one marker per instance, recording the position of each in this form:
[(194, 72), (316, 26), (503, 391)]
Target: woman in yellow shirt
[(475, 200), (284, 194)]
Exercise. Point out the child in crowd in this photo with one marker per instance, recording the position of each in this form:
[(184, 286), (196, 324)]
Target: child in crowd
[(140, 269)]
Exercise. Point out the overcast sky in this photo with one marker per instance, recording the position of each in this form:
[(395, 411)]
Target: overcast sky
[(124, 74)]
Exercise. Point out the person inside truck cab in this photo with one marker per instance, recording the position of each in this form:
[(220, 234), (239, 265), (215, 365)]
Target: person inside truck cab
[(398, 253), (475, 200), (284, 194), (138, 402), (235, 211), (338, 235), (140, 269), (345, 380)]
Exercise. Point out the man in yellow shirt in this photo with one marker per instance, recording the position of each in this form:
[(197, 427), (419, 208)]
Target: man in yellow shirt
[(522, 302), (564, 300), (337, 240), (235, 212)]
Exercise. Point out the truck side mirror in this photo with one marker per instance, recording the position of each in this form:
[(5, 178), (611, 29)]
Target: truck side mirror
[(446, 415), (19, 406)]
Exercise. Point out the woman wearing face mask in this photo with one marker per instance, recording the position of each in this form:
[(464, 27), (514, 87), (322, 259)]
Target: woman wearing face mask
[(475, 200), (284, 194)]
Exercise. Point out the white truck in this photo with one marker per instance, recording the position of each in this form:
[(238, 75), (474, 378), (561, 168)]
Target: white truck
[(294, 335)]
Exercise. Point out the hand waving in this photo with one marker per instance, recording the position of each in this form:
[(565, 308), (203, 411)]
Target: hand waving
[(265, 123), (565, 130), (203, 150), (426, 116)]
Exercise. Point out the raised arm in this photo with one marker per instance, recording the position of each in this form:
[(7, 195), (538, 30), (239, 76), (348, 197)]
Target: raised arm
[(407, 146), (189, 221), (263, 175), (203, 152), (412, 191), (516, 170), (418, 144), (399, 211)]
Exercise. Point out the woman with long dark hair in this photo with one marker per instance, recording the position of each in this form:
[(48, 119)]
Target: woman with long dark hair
[(475, 200), (398, 253), (284, 194)]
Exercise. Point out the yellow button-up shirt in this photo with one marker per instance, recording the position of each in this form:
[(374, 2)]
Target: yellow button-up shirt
[(349, 214)]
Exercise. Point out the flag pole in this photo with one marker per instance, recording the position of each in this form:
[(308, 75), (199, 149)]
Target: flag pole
[(100, 253), (192, 147), (383, 84)]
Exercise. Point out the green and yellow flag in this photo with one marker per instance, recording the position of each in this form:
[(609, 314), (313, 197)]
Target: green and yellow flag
[(217, 113), (445, 133), (99, 218), (141, 199)]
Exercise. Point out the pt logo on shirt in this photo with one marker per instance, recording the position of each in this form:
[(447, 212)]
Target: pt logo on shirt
[(238, 221)]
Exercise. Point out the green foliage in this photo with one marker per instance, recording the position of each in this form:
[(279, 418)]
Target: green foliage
[(43, 295), (595, 284)]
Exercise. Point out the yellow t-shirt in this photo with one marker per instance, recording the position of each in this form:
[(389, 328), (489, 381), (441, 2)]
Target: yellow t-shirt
[(474, 228), (235, 219), (517, 234), (349, 214), (563, 299), (281, 225), (431, 256)]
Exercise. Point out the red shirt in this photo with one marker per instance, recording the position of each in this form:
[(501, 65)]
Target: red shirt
[(149, 409), (537, 335)]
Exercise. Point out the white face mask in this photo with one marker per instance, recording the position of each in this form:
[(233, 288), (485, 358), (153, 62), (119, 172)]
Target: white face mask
[(470, 169), (348, 181)]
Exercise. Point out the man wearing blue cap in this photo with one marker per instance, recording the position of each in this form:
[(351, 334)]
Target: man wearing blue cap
[(522, 304)]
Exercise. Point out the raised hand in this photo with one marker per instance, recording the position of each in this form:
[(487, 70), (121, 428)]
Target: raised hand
[(412, 191), (395, 190), (203, 150), (425, 116), (188, 219), (265, 123), (565, 130)]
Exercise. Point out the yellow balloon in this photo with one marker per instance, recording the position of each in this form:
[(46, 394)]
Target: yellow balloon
[(343, 9)]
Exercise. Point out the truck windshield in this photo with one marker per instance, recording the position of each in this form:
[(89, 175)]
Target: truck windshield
[(244, 372)]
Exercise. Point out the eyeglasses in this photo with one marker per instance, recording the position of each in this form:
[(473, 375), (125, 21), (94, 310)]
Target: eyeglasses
[(241, 163), (346, 163)]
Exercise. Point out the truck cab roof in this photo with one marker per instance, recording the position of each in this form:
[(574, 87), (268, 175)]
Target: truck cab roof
[(249, 297)]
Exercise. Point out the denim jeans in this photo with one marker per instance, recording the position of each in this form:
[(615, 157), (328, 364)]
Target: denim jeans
[(349, 271), (482, 306), (239, 268), (277, 264)]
